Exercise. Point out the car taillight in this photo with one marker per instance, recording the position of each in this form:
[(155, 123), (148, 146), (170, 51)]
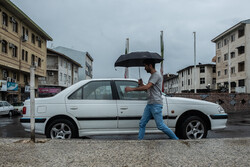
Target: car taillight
[(24, 110)]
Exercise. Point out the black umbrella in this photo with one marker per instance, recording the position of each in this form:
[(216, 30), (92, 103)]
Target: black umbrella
[(136, 59)]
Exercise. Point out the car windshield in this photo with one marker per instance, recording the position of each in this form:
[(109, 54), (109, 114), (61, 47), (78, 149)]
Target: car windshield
[(17, 104)]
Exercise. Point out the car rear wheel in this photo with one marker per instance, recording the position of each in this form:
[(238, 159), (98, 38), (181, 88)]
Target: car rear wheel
[(193, 127), (61, 129)]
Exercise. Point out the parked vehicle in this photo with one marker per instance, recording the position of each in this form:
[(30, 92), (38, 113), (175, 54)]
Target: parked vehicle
[(6, 108), (18, 107), (101, 106)]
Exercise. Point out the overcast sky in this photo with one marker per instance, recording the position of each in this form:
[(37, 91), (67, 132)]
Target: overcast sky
[(101, 27)]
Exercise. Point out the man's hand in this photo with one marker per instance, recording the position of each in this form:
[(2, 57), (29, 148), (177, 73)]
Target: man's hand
[(140, 82), (128, 89)]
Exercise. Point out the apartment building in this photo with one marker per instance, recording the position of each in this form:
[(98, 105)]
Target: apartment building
[(82, 58), (171, 83), (62, 72), (205, 78), (22, 44), (233, 58)]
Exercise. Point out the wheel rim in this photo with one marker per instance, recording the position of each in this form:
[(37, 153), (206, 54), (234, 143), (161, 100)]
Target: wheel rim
[(195, 129), (60, 131)]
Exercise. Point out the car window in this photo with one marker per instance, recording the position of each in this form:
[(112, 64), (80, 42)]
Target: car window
[(1, 104), (134, 95), (97, 90), (6, 103)]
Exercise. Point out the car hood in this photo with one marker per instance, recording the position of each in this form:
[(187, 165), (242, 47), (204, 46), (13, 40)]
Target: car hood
[(188, 101)]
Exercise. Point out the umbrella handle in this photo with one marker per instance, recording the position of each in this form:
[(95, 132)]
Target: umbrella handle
[(139, 72)]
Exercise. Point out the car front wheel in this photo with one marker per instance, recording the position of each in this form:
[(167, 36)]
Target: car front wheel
[(193, 127), (61, 129)]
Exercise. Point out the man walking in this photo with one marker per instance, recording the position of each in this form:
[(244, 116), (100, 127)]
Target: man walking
[(154, 105)]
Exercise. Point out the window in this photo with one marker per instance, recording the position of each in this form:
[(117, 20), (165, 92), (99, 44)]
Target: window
[(25, 34), (25, 79), (241, 32), (241, 66), (32, 59), (97, 90), (189, 71), (4, 46), (5, 19), (225, 42), (214, 81), (218, 59), (65, 78), (33, 38), (225, 72), (232, 55), (202, 69), (218, 73), (15, 26), (219, 45), (14, 51), (188, 81), (182, 73), (232, 37), (241, 50), (39, 43), (233, 70), (241, 82), (214, 69), (182, 83), (39, 63), (225, 57), (26, 56), (23, 54), (134, 95), (202, 80), (60, 76), (69, 81)]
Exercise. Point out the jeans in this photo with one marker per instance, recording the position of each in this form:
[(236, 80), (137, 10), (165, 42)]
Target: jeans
[(154, 110)]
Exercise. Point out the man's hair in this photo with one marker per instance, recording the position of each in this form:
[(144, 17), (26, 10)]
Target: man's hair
[(149, 61)]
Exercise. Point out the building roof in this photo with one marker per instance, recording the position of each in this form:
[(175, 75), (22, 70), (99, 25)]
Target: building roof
[(24, 18), (64, 56), (199, 65), (230, 29), (73, 53), (168, 77)]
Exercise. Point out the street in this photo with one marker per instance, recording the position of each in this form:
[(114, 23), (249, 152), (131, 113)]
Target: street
[(237, 126)]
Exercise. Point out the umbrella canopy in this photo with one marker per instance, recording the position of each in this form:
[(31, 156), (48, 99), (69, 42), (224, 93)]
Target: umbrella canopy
[(135, 59)]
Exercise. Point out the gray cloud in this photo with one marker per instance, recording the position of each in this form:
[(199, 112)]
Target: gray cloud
[(101, 28)]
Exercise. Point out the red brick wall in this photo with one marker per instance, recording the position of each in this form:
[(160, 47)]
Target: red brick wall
[(230, 102)]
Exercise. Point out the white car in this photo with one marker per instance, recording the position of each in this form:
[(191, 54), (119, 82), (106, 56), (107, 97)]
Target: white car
[(102, 107), (6, 108)]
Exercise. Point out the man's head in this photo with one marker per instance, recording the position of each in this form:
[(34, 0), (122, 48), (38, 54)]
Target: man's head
[(149, 65)]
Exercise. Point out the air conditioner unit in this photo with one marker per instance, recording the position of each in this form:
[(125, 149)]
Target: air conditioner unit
[(25, 38), (11, 45), (12, 19), (8, 79), (50, 73)]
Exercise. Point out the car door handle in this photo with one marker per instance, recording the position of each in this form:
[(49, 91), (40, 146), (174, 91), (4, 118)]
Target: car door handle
[(73, 108), (123, 108)]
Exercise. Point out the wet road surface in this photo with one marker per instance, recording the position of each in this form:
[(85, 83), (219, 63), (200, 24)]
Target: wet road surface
[(237, 126)]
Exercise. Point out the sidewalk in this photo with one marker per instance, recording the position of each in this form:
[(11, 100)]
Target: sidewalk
[(125, 153)]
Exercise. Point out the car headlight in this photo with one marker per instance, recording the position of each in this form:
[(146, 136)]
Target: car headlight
[(220, 109)]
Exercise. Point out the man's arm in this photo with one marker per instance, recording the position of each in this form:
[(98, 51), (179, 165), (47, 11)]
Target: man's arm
[(141, 88)]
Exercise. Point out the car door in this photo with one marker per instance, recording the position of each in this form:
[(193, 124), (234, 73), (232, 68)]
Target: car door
[(93, 105), (131, 105)]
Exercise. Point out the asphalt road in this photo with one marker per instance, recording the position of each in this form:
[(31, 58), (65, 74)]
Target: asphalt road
[(237, 127)]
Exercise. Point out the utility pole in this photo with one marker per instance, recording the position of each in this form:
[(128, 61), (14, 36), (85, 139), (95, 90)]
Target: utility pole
[(195, 91), (162, 55), (32, 102), (126, 75)]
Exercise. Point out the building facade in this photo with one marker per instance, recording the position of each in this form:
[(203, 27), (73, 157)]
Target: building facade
[(233, 58), (22, 44), (171, 83), (205, 78), (82, 58), (62, 72)]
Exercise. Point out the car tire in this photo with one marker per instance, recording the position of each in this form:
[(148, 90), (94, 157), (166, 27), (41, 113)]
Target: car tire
[(10, 113), (193, 127), (61, 129)]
